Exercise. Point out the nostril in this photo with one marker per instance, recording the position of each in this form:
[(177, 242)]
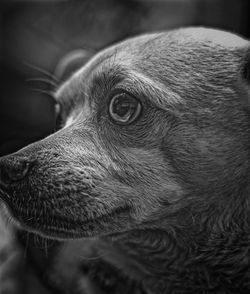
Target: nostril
[(13, 169)]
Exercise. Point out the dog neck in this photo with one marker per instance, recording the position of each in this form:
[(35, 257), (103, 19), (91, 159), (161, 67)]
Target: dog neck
[(187, 249)]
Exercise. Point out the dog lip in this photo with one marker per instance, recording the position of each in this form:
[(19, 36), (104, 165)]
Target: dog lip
[(24, 217), (66, 228), (63, 229), (69, 231), (53, 233)]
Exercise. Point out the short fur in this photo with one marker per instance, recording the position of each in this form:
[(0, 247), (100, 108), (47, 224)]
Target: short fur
[(165, 200)]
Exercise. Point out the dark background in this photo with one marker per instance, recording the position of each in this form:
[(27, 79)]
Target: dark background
[(37, 35)]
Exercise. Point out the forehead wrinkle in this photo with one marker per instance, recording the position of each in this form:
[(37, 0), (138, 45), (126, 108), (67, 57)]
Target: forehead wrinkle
[(119, 75), (73, 86), (161, 95), (110, 72)]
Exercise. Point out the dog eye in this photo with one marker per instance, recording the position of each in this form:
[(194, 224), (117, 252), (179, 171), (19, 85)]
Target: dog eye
[(124, 109)]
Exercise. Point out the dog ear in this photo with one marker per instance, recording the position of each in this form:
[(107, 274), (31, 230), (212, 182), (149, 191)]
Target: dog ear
[(71, 62)]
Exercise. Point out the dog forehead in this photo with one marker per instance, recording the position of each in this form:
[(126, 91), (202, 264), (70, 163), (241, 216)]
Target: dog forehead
[(189, 42), (183, 51), (193, 37), (193, 49)]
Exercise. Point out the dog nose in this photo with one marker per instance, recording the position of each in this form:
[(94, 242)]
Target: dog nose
[(13, 169)]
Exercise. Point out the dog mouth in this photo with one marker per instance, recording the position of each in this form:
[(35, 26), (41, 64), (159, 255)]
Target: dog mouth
[(56, 227)]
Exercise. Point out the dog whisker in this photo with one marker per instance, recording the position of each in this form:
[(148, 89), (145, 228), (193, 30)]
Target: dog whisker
[(26, 244), (41, 70), (46, 248), (46, 92), (43, 80), (88, 258)]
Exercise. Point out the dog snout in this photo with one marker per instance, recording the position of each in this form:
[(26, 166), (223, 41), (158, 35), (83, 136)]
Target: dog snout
[(14, 169)]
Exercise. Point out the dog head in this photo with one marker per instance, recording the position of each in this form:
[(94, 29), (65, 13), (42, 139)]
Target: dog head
[(149, 127)]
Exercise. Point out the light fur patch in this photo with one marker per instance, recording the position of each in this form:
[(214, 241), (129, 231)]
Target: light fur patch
[(69, 122), (156, 88), (221, 38)]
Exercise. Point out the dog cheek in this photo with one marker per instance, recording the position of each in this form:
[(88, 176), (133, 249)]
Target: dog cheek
[(143, 199), (150, 174)]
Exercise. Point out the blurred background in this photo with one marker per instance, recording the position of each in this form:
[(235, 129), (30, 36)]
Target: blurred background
[(42, 42)]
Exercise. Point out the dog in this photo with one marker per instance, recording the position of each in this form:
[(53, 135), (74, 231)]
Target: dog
[(148, 167)]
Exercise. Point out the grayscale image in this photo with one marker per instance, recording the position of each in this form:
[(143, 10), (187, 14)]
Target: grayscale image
[(125, 147)]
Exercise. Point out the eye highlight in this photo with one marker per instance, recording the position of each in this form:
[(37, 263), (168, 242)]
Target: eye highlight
[(58, 117), (124, 108)]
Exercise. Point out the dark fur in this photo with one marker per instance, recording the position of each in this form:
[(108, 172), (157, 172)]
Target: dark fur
[(168, 196)]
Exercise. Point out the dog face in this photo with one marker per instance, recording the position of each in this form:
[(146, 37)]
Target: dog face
[(149, 126)]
